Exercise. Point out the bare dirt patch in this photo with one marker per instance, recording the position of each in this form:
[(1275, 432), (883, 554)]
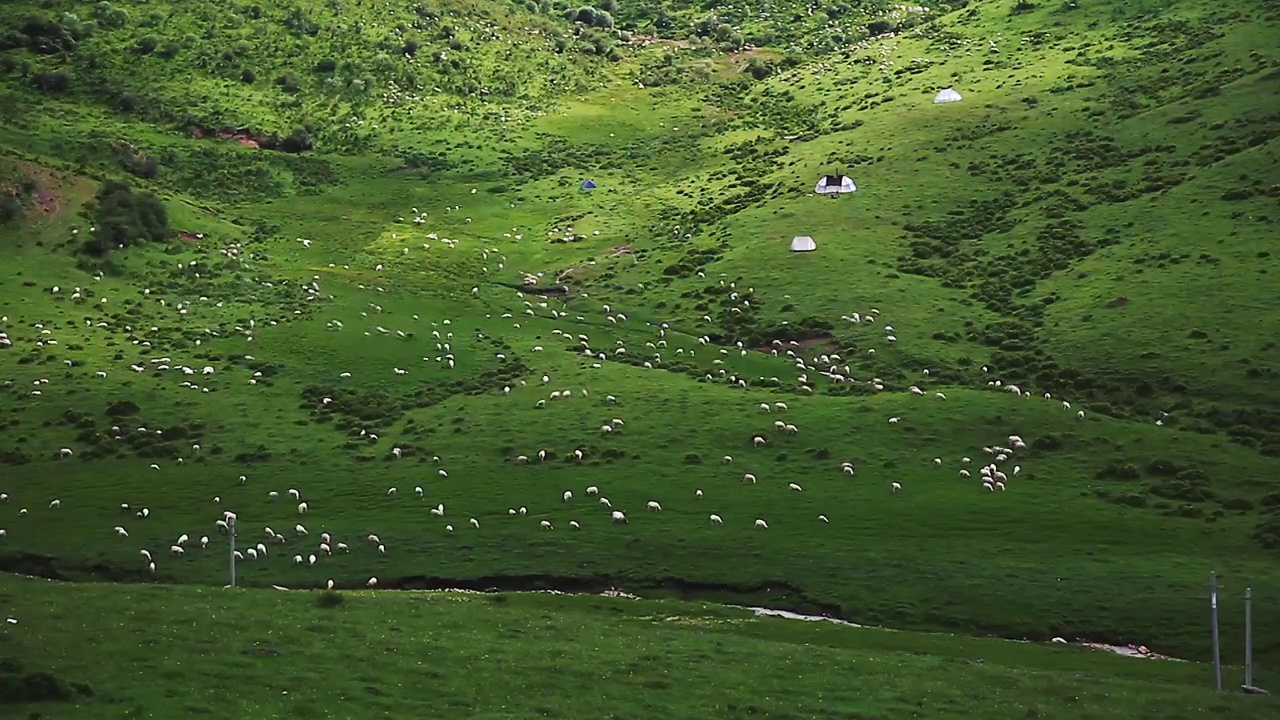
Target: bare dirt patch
[(825, 343), (241, 136)]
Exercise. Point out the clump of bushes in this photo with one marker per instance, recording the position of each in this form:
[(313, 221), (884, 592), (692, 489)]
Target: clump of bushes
[(329, 599), (124, 217)]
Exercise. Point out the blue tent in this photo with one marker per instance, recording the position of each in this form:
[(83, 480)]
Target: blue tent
[(589, 185)]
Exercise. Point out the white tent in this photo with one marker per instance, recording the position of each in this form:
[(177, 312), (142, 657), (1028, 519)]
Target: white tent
[(804, 243), (835, 185), (947, 96)]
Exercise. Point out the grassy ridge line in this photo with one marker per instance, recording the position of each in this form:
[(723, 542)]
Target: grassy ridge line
[(261, 652)]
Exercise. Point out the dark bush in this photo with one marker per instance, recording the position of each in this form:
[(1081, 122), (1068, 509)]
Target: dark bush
[(10, 207), (1271, 500), (51, 82), (692, 459), (298, 141), (146, 45), (1119, 471), (1238, 504), (122, 408), (329, 599)]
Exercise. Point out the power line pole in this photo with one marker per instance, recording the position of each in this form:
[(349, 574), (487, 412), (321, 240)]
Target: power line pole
[(1248, 637), (1217, 655), (232, 528)]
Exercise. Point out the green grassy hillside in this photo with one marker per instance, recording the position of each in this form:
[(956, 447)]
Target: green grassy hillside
[(335, 307), (272, 654)]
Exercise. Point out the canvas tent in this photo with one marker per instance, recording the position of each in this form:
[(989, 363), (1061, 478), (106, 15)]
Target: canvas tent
[(947, 96), (804, 243), (589, 185), (835, 185)]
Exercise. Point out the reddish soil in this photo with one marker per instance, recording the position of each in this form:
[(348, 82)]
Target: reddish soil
[(188, 235), (620, 250)]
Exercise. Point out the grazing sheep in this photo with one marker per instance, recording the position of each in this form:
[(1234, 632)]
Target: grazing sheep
[(823, 518), (300, 529), (758, 441), (474, 523), (697, 493), (372, 583), (728, 459), (55, 504), (546, 525), (748, 477), (618, 516), (716, 519), (568, 495), (204, 541), (896, 487), (761, 524), (302, 508), (653, 506), (176, 549), (593, 490), (795, 487), (382, 549)]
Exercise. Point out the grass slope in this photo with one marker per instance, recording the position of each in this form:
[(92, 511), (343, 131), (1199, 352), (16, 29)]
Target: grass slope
[(273, 654), (1092, 222)]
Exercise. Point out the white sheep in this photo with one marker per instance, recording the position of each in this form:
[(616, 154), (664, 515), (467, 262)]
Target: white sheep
[(593, 490), (748, 477), (568, 495), (823, 518), (697, 493), (758, 441), (121, 532), (716, 519), (474, 523), (795, 487), (761, 524), (896, 487), (728, 459), (653, 506), (372, 583), (546, 525), (618, 516), (300, 529)]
